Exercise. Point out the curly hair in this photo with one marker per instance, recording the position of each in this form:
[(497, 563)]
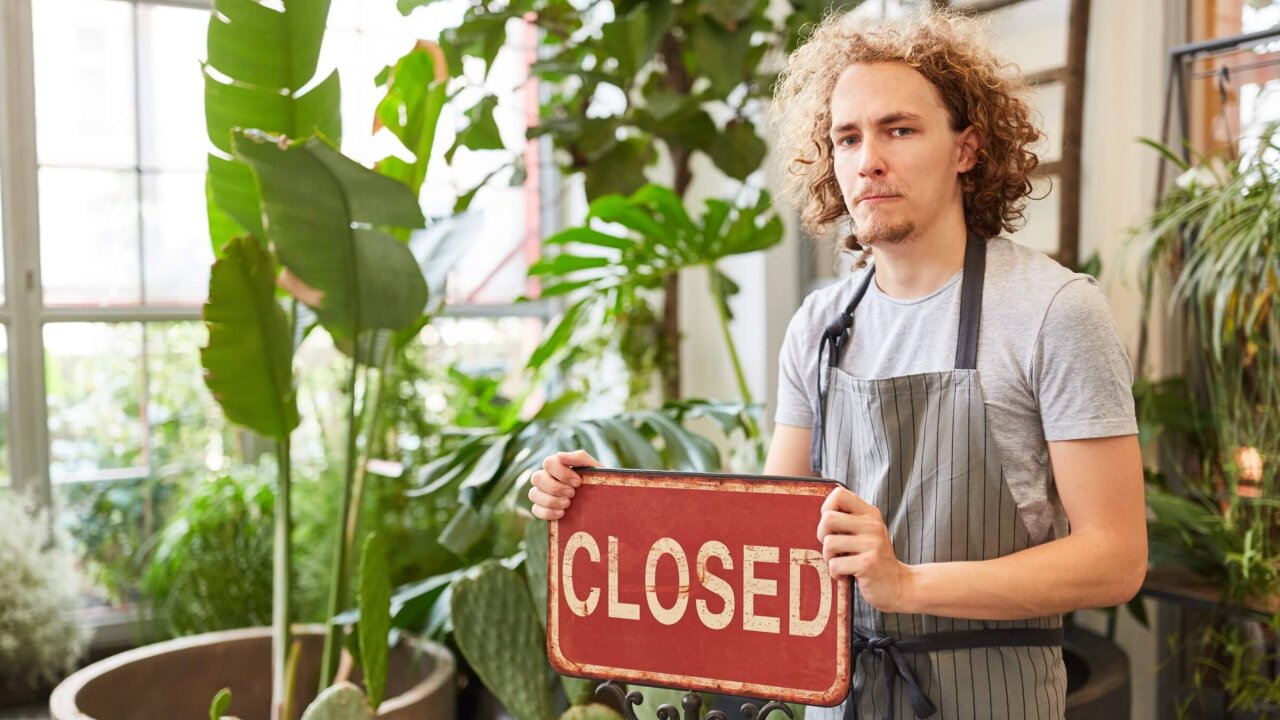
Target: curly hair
[(977, 88)]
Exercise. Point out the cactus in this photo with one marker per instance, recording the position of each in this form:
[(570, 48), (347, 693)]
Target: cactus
[(342, 701), (594, 711), (579, 691), (495, 627)]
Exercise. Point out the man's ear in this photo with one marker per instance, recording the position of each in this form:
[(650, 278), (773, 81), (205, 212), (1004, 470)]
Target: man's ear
[(968, 143)]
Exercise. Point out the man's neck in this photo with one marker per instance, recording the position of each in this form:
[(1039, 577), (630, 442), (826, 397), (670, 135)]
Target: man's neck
[(918, 266)]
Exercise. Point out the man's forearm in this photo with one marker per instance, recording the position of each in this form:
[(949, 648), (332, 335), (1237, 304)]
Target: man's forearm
[(1075, 572)]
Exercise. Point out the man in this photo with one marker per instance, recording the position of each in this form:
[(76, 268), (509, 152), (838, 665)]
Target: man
[(972, 396)]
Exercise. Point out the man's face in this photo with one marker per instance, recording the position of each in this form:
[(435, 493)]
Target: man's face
[(897, 160)]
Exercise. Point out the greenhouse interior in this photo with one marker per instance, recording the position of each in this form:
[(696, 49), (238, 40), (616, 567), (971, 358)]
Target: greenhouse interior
[(620, 359)]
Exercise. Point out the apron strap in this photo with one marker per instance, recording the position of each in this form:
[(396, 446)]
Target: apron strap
[(893, 660), (975, 266), (834, 339)]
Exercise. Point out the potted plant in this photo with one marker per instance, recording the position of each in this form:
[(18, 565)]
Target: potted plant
[(1215, 239), (301, 217)]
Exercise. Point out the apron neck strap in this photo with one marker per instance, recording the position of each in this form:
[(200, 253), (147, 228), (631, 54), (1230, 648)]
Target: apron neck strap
[(975, 266)]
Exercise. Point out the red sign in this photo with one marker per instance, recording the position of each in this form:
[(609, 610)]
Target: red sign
[(698, 582)]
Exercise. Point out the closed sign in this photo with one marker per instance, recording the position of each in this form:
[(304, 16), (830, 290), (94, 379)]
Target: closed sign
[(698, 582)]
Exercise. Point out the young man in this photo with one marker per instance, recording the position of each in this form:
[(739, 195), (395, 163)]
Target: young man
[(971, 395)]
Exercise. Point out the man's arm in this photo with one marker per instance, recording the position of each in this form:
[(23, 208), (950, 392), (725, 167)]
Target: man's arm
[(1100, 564), (789, 452)]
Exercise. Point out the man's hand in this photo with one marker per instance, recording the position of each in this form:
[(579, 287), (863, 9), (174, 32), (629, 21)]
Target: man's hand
[(855, 541), (553, 485)]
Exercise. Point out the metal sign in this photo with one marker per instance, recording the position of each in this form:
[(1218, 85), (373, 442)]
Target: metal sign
[(698, 582)]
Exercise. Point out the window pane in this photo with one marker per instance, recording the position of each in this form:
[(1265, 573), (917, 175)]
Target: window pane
[(84, 79), (111, 523), (4, 405), (186, 425), (89, 237), (171, 88), (175, 240), (94, 383)]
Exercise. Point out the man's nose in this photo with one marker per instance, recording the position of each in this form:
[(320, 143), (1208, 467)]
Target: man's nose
[(871, 163)]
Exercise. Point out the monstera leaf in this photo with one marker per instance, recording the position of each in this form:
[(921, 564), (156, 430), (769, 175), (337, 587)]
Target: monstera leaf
[(325, 215), (247, 362)]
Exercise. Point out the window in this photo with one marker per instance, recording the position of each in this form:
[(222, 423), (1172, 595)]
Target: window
[(113, 414)]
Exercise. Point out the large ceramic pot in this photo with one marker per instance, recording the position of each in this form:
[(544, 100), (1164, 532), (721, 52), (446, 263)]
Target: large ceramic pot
[(178, 679), (1097, 676)]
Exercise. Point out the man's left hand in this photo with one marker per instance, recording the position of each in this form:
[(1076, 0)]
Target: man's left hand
[(855, 541)]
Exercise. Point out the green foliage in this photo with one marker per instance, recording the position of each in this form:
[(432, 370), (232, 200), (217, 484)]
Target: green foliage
[(221, 701), (213, 560), (374, 601), (484, 470), (508, 655), (248, 358), (324, 211), (40, 641), (341, 701), (670, 66), (261, 60), (612, 271), (1213, 238)]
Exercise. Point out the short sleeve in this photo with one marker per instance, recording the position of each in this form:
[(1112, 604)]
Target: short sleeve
[(1080, 370), (796, 370)]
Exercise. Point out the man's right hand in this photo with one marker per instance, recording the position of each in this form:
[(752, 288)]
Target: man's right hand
[(553, 485)]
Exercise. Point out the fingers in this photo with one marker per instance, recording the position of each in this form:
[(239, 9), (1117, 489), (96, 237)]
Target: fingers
[(544, 481), (834, 522), (837, 546), (553, 485), (842, 499)]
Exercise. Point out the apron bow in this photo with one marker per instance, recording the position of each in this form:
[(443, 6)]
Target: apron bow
[(895, 665)]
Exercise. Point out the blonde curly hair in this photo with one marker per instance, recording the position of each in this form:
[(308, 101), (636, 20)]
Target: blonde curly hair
[(977, 88)]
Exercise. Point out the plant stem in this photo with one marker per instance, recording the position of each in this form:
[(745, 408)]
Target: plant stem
[(722, 311), (283, 568), (371, 407), (338, 575)]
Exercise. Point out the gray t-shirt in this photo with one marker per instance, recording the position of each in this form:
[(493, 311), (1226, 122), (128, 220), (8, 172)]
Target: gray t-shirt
[(1051, 363)]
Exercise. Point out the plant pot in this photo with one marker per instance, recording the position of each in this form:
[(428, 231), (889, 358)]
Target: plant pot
[(1097, 676), (178, 679)]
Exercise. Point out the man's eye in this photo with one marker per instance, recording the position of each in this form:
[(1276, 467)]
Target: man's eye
[(848, 139), (903, 131)]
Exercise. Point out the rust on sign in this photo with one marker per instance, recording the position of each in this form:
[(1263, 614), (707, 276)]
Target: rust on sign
[(698, 581)]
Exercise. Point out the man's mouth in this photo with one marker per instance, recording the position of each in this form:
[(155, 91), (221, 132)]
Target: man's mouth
[(877, 198)]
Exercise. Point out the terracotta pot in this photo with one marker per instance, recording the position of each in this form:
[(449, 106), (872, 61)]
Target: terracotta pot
[(178, 679)]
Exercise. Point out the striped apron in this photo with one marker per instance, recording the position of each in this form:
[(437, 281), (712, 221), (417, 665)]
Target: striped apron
[(918, 448)]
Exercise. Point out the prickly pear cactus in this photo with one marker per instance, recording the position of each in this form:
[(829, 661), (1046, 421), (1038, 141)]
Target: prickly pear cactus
[(495, 627), (342, 701), (594, 711)]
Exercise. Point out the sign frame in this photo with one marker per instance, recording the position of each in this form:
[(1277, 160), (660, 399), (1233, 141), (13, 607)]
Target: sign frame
[(763, 484)]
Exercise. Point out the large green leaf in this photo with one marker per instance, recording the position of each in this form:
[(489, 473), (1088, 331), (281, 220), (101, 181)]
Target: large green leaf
[(374, 601), (248, 360), (260, 60), (411, 109), (318, 206), (494, 625), (737, 150)]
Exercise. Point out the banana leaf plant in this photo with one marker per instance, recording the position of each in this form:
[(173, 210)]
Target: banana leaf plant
[(288, 210), (629, 245)]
